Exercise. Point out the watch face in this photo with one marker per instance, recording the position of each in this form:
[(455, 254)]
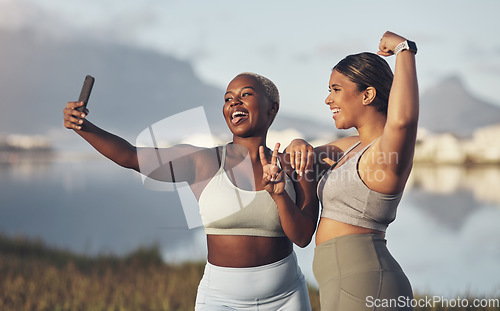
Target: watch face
[(412, 46)]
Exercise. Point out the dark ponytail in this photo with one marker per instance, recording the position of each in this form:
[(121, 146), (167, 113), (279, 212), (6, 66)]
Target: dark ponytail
[(368, 69)]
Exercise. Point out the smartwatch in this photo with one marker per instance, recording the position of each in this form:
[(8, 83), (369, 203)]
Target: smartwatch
[(406, 45)]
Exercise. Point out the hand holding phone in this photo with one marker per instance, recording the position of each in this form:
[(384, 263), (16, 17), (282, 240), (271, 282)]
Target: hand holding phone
[(85, 93)]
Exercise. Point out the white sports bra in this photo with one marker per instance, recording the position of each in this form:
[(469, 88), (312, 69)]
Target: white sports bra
[(228, 210)]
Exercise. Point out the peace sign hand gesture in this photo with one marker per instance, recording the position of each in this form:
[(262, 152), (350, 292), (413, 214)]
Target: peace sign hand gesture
[(273, 177)]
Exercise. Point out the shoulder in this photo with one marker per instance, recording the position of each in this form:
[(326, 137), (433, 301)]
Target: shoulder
[(205, 161), (186, 150), (345, 143), (194, 154), (332, 151), (179, 152), (204, 154)]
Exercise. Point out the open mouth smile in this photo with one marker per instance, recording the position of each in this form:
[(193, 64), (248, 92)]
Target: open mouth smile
[(239, 116), (335, 111)]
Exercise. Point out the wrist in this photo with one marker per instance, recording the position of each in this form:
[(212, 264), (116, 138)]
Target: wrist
[(406, 45), (276, 195)]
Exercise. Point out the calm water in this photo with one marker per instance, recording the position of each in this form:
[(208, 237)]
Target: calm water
[(446, 235)]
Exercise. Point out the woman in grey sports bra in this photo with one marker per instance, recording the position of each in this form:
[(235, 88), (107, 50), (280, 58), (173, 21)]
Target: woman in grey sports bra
[(252, 209), (362, 178)]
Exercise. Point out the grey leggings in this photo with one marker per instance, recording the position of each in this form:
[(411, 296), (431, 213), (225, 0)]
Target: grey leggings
[(357, 272)]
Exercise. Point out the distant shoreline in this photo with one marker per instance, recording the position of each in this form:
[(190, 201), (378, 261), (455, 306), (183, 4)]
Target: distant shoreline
[(483, 148), (15, 156)]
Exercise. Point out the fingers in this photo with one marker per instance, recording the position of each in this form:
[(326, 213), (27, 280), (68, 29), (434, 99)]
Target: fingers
[(310, 160), (291, 153), (388, 43), (273, 176), (301, 155), (296, 160), (73, 119), (296, 157), (381, 53), (274, 157), (278, 188), (292, 148), (303, 162), (383, 49), (271, 172), (303, 159), (74, 105), (276, 174)]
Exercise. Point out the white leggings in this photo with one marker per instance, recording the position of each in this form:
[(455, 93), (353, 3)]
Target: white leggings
[(276, 286)]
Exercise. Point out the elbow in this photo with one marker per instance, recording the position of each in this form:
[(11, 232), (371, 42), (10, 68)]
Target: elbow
[(133, 165), (130, 166), (129, 161), (303, 242), (307, 231), (301, 238), (305, 239), (404, 123)]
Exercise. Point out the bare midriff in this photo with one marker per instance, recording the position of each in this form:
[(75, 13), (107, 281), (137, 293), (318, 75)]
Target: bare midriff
[(330, 229), (246, 251)]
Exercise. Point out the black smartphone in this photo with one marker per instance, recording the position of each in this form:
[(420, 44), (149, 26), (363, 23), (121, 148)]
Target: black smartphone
[(88, 83)]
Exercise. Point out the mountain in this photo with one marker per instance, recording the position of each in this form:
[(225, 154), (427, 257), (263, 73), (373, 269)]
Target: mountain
[(134, 88), (448, 107)]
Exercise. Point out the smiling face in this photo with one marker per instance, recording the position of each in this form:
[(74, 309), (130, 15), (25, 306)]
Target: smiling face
[(345, 101), (247, 109)]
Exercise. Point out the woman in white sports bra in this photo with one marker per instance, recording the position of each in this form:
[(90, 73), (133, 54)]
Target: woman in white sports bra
[(252, 210), (362, 178)]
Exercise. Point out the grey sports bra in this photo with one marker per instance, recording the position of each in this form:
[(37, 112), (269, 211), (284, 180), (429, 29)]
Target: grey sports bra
[(228, 210), (346, 198)]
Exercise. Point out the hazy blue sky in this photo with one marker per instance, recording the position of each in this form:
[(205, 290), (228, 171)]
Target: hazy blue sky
[(295, 43)]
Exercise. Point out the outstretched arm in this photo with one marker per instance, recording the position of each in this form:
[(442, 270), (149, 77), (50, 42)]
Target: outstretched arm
[(165, 164), (111, 146)]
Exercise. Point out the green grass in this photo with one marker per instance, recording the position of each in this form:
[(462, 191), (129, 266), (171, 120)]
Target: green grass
[(34, 276), (37, 277)]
